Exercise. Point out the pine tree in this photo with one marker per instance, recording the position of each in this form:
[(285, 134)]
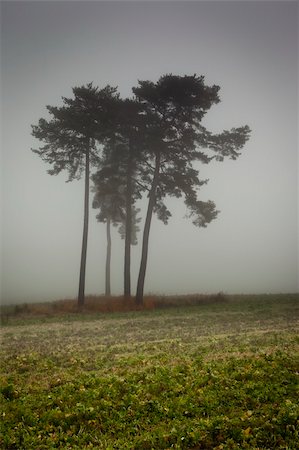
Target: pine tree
[(123, 155), (175, 107), (72, 139), (110, 198)]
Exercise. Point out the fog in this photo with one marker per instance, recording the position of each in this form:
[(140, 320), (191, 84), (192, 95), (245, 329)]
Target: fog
[(249, 49)]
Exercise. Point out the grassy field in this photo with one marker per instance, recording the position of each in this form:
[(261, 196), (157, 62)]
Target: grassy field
[(215, 374)]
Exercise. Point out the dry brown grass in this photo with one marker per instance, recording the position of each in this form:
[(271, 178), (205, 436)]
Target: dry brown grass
[(103, 304)]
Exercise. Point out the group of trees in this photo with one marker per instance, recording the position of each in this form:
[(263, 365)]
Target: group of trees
[(129, 148)]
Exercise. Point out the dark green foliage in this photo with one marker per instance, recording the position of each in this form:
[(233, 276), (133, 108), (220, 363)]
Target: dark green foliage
[(188, 95), (9, 391), (85, 118), (176, 106), (190, 405)]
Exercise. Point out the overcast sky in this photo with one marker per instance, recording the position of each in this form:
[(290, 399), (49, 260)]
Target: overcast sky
[(249, 49)]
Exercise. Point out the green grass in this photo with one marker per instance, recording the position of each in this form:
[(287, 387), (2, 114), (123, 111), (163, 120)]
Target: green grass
[(219, 375)]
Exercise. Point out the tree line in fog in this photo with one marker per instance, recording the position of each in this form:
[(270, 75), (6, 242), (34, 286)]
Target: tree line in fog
[(142, 146)]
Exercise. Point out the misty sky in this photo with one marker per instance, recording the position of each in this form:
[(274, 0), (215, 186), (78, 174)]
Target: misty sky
[(249, 49)]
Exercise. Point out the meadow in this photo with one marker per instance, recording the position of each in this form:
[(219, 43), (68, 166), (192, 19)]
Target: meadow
[(183, 373)]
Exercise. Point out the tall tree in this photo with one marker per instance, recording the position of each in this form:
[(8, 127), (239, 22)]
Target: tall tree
[(175, 107), (123, 154), (110, 198), (72, 136)]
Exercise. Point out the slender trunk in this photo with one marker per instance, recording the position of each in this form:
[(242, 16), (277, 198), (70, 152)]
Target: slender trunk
[(147, 225), (128, 234), (108, 259), (85, 233)]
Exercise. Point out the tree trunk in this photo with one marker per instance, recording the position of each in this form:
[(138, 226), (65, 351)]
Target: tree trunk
[(81, 293), (147, 225), (128, 234), (108, 259)]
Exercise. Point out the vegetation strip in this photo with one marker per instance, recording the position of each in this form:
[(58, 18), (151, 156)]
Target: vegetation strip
[(211, 376)]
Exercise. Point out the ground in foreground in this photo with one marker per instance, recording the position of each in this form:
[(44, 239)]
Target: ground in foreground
[(219, 375)]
